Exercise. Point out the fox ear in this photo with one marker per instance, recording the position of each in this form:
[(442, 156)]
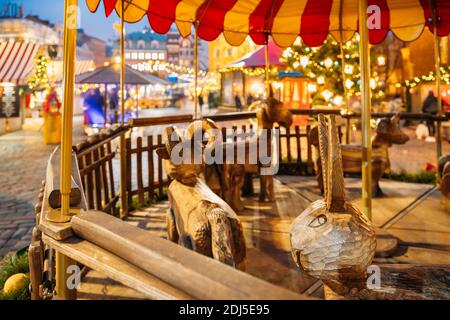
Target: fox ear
[(163, 153), (383, 126)]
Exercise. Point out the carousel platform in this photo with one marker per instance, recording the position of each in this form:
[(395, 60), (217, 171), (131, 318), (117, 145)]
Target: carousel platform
[(411, 212)]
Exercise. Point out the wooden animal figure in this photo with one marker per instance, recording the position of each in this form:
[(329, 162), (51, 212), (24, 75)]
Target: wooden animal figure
[(268, 113), (199, 219), (331, 239), (225, 179), (388, 132), (444, 170)]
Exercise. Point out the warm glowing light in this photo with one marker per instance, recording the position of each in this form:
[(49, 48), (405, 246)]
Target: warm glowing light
[(381, 60), (304, 61), (320, 80), (312, 87), (349, 83), (327, 94), (338, 100), (348, 69), (328, 63), (117, 59)]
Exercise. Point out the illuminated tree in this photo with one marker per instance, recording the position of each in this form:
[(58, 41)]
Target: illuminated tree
[(39, 80), (323, 65)]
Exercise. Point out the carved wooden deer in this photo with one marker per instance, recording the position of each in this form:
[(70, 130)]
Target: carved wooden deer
[(227, 179), (388, 132), (199, 219), (331, 239)]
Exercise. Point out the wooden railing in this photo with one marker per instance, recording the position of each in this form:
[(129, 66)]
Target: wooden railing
[(146, 180), (95, 161)]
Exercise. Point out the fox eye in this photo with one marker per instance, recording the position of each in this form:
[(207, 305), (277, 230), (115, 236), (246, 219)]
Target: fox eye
[(318, 221)]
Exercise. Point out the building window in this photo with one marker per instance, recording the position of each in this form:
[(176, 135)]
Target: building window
[(161, 56), (217, 53), (148, 56), (134, 55), (141, 56), (141, 44), (154, 56), (154, 44), (127, 55)]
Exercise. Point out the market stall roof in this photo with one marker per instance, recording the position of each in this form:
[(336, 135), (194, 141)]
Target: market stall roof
[(257, 58), (111, 75), (17, 61), (284, 20)]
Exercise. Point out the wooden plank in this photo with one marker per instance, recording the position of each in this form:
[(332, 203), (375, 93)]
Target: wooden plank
[(310, 165), (116, 268), (110, 169), (89, 182), (105, 181), (98, 180), (288, 144), (140, 181), (160, 170), (35, 251), (128, 169), (299, 145), (151, 169), (197, 275)]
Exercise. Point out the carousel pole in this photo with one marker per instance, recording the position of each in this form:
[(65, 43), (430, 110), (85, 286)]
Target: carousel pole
[(437, 61), (196, 111), (123, 164), (365, 111), (347, 118), (70, 40), (266, 68)]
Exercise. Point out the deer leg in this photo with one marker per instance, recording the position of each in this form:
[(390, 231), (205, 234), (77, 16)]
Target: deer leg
[(378, 169), (247, 189), (270, 189), (263, 188)]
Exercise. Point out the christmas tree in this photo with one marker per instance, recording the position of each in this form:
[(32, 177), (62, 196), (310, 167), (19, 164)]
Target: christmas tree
[(39, 80), (333, 70)]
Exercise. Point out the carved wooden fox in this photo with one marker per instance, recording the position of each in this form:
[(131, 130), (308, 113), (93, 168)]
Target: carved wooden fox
[(331, 239), (388, 132), (198, 219)]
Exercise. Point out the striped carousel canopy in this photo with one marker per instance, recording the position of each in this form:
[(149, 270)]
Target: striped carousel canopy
[(285, 20)]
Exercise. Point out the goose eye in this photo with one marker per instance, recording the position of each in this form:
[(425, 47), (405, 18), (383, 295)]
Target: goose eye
[(318, 221)]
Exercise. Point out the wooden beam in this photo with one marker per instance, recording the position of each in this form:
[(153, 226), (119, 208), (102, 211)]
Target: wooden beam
[(116, 268), (199, 276)]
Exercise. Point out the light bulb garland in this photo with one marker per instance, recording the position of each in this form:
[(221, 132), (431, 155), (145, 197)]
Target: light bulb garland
[(430, 77)]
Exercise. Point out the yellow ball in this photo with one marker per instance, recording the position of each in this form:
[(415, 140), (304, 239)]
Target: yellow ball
[(14, 283)]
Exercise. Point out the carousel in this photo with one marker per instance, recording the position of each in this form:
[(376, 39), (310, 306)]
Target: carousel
[(204, 199)]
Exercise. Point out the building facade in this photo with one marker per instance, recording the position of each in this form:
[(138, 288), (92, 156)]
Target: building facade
[(147, 51)]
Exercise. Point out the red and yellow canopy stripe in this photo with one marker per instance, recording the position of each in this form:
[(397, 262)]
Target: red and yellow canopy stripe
[(284, 20)]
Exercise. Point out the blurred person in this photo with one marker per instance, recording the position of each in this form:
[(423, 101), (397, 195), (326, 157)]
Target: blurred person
[(430, 106), (238, 102), (396, 104)]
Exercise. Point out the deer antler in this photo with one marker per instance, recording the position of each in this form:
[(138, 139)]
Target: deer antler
[(331, 157)]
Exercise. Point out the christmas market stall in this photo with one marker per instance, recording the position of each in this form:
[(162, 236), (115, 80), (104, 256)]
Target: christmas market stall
[(21, 42), (245, 78), (139, 88), (285, 239)]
